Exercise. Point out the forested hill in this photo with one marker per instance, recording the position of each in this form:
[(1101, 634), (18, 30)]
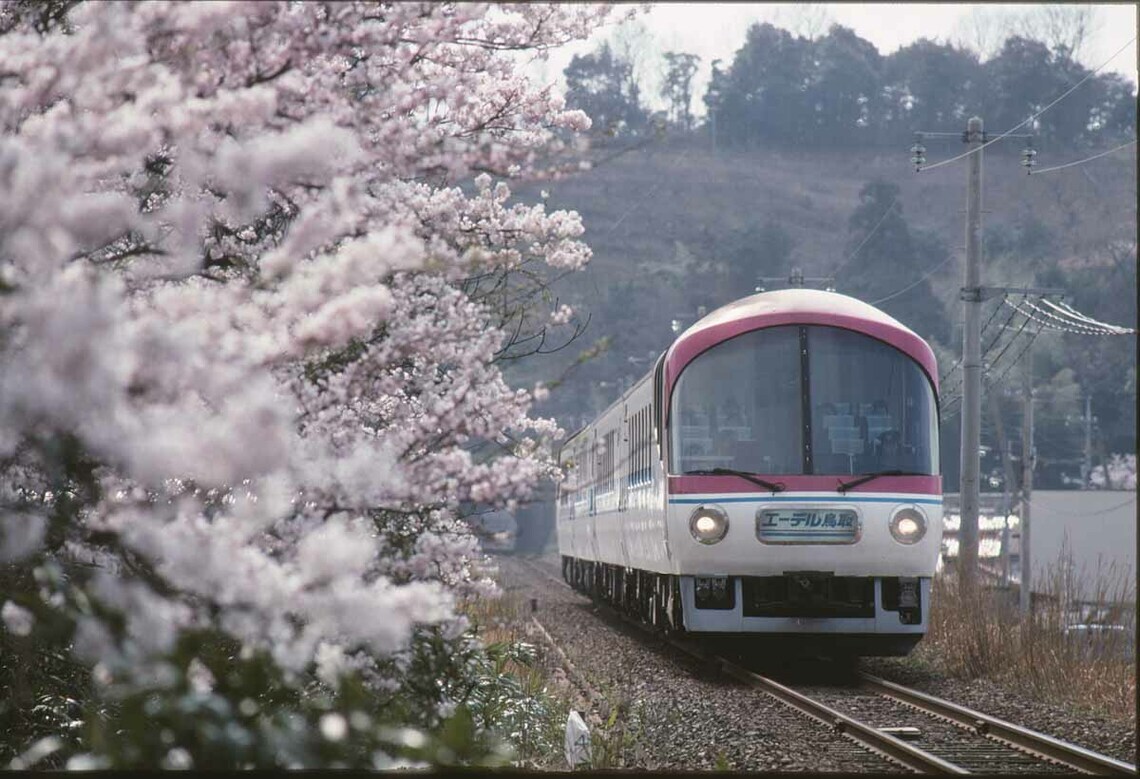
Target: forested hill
[(675, 225), (803, 160)]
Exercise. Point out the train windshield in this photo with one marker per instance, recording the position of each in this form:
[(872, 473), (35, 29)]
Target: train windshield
[(801, 400)]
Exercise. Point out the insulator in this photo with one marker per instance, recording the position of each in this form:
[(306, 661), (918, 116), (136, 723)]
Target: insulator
[(1028, 160), (918, 149)]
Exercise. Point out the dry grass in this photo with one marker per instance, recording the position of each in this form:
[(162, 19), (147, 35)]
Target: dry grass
[(982, 634)]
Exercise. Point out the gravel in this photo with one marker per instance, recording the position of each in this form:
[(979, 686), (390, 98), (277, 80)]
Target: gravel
[(675, 714), (1112, 737)]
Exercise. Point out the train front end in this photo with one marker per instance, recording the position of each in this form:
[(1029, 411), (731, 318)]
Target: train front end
[(803, 494)]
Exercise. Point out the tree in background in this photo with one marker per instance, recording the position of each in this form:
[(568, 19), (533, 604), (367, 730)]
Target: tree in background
[(247, 378), (602, 84), (755, 252), (677, 86), (634, 43), (761, 96), (838, 91), (805, 20), (1063, 28), (843, 84), (928, 86), (1106, 365), (984, 29), (1022, 79), (891, 259)]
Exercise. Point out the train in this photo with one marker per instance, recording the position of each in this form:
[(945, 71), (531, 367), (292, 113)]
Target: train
[(775, 477)]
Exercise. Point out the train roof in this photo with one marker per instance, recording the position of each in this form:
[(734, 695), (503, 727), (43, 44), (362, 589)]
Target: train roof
[(795, 306), (784, 307), (798, 301)]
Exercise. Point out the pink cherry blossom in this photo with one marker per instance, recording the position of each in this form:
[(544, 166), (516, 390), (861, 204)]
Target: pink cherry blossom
[(236, 241)]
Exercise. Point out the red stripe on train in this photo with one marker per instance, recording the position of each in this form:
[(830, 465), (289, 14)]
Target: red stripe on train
[(695, 485)]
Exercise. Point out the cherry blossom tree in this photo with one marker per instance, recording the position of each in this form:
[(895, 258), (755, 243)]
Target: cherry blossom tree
[(259, 264)]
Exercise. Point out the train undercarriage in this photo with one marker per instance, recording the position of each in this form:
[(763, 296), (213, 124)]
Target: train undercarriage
[(767, 603)]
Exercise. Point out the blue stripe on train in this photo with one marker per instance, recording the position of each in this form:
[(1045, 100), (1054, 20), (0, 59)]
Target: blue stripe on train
[(808, 499)]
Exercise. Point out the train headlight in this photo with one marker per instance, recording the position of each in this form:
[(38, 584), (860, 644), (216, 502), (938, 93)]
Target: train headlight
[(908, 525), (708, 524)]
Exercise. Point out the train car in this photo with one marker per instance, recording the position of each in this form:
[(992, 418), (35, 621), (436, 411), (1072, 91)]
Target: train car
[(775, 475)]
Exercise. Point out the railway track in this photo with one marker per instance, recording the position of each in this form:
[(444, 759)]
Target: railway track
[(869, 711)]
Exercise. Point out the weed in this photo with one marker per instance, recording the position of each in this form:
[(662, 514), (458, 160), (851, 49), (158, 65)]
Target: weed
[(980, 633)]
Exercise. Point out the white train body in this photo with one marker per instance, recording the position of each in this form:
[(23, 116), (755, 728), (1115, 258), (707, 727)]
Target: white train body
[(807, 392)]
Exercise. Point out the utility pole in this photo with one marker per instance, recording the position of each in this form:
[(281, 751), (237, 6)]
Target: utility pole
[(972, 295), (1086, 466), (1007, 507), (1027, 460), (971, 359)]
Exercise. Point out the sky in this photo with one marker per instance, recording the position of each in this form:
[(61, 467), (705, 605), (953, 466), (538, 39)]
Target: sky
[(716, 31)]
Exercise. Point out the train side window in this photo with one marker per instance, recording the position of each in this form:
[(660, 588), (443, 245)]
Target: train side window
[(606, 464), (646, 443)]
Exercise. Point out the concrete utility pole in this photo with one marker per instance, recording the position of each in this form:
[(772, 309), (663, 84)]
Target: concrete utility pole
[(1086, 466), (1027, 458), (971, 358)]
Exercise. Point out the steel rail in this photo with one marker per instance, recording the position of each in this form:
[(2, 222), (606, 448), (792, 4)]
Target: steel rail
[(912, 757), (872, 738), (1015, 736), (1037, 744)]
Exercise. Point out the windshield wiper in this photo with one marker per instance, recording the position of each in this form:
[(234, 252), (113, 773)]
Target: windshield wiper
[(768, 485), (846, 485)]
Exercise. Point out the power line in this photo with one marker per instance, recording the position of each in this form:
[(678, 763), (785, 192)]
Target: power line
[(924, 277), (645, 195), (1033, 116), (950, 370), (1016, 359), (1082, 162), (1072, 312), (1011, 341), (952, 391), (997, 337), (874, 230), (1067, 324)]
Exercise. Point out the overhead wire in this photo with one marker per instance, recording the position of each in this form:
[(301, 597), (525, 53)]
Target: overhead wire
[(1004, 327), (1024, 122), (942, 379), (1068, 324), (909, 287), (1017, 359), (1011, 340), (644, 196), (874, 230), (956, 396), (1081, 162), (1069, 327), (1087, 326), (1072, 312)]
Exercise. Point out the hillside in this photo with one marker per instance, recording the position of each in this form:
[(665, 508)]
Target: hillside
[(666, 219)]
